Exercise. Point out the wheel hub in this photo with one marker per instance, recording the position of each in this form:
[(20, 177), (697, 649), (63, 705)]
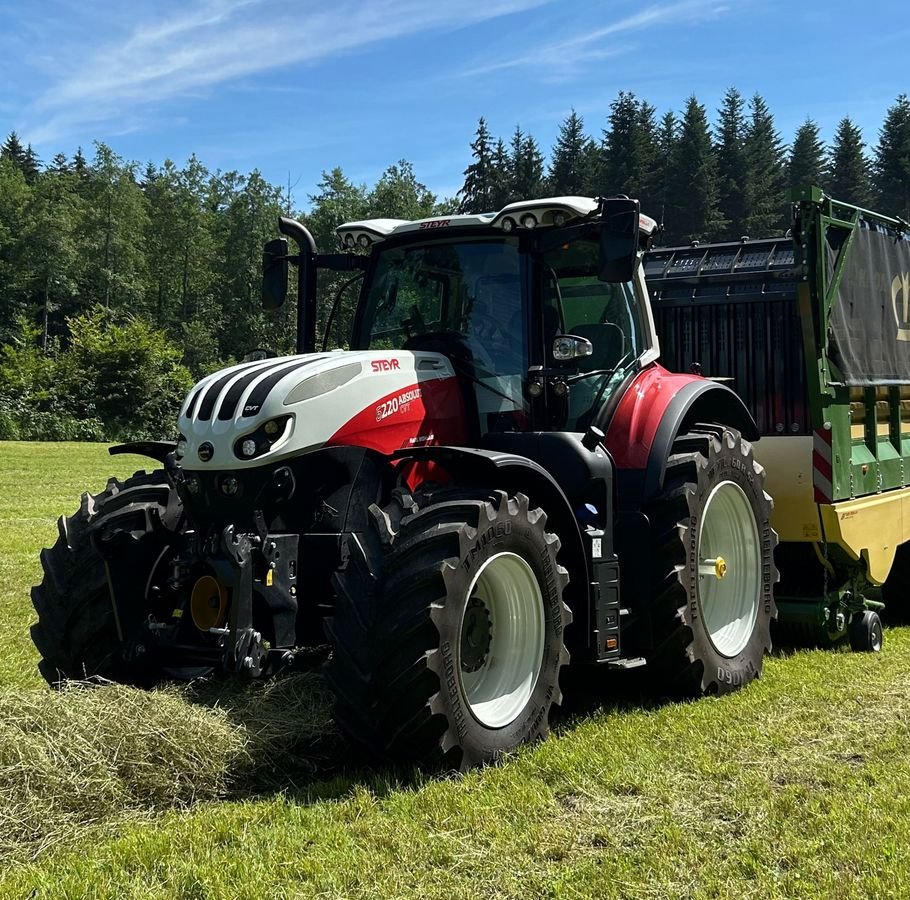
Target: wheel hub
[(476, 635), (729, 568), (501, 645)]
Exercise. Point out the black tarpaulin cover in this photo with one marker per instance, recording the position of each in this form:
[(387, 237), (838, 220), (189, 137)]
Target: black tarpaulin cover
[(869, 327)]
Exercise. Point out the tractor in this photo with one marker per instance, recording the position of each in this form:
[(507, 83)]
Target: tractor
[(495, 478)]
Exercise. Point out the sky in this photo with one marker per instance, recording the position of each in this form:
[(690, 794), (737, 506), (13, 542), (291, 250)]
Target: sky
[(295, 89)]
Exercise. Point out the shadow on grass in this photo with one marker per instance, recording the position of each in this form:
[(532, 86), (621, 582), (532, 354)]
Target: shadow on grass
[(295, 749)]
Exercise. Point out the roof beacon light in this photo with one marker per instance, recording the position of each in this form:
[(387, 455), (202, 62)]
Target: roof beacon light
[(529, 220), (508, 224), (349, 241), (363, 240)]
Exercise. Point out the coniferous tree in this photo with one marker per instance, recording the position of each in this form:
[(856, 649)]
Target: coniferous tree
[(572, 158), (806, 166), (339, 200), (479, 178), (252, 207), (667, 136), (766, 177), (629, 148), (526, 166), (891, 169), (501, 177), (649, 179), (59, 165), (31, 165), (13, 150), (193, 227), (80, 164), (693, 212), (161, 238), (848, 166), (732, 165)]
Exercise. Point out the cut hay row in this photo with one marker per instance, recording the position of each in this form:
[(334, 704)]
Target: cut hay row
[(94, 756)]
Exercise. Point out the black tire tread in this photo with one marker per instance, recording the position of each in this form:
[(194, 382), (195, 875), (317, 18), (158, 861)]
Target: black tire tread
[(384, 672), (76, 631), (673, 665)]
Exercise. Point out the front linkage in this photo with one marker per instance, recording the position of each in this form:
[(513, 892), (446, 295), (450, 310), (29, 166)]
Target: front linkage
[(225, 599)]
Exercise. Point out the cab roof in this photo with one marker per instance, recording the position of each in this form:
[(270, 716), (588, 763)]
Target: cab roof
[(523, 214)]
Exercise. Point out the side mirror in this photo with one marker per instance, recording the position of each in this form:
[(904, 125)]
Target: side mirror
[(618, 240), (274, 273), (571, 346)]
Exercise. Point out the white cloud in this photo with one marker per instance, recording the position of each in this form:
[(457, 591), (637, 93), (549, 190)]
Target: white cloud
[(565, 56), (214, 41)]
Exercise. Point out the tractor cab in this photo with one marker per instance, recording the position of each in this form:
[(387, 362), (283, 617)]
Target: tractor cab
[(540, 307)]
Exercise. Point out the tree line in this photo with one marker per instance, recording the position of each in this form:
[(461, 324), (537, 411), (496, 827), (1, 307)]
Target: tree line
[(700, 181), (120, 283)]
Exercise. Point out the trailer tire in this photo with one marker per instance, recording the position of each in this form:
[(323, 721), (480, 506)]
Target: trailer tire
[(866, 634), (713, 587), (448, 630), (77, 632)]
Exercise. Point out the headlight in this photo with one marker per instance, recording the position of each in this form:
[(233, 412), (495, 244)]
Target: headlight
[(262, 439)]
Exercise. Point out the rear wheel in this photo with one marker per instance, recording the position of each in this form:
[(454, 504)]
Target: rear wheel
[(714, 602), (448, 633), (77, 633)]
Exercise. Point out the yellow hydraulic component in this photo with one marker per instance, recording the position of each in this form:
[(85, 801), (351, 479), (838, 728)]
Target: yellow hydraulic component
[(208, 603), (720, 567), (870, 527)]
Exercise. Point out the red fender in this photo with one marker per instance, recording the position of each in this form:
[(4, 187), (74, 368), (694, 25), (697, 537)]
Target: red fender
[(639, 414)]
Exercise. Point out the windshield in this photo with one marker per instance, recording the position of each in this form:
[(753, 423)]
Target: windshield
[(607, 314), (463, 298)]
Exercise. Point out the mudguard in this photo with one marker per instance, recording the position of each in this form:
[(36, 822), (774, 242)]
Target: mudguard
[(584, 476), (657, 406)]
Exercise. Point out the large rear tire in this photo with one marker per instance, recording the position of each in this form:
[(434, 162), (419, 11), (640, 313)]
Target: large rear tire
[(77, 632), (714, 598), (448, 632)]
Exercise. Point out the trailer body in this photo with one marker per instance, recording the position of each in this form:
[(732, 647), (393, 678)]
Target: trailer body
[(812, 330)]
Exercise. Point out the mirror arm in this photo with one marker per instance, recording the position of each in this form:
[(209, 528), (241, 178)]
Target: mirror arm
[(301, 235)]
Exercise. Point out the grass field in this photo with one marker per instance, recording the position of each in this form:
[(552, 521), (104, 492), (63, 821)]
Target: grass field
[(798, 786)]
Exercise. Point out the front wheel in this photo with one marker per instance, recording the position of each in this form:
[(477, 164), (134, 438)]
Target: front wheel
[(714, 601), (78, 633), (448, 631)]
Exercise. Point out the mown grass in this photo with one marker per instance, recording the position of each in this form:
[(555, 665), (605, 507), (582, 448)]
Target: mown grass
[(796, 787)]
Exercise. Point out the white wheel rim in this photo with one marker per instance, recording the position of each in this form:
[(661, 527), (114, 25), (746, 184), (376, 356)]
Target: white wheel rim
[(507, 657), (729, 569)]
